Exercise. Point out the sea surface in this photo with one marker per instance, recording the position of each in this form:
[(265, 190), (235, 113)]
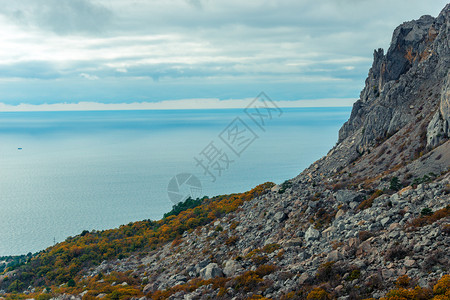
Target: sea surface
[(65, 172)]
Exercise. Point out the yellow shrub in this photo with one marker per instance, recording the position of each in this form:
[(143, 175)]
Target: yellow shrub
[(442, 287), (403, 281), (417, 293), (247, 281), (318, 294), (441, 297)]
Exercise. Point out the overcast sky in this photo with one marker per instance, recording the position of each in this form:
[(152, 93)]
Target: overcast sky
[(116, 51)]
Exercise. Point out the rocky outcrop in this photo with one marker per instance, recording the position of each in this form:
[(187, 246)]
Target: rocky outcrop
[(439, 127), (404, 83)]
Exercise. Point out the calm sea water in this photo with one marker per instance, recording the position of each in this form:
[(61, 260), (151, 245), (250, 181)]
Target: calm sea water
[(98, 170)]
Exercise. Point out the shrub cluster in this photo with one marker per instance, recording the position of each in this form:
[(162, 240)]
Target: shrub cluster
[(429, 217)]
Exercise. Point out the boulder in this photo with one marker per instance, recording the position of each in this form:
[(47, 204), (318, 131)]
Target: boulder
[(385, 221), (231, 268), (304, 278), (339, 214), (334, 256), (409, 262), (280, 216), (347, 196), (148, 288), (211, 271), (295, 242), (312, 234), (329, 232)]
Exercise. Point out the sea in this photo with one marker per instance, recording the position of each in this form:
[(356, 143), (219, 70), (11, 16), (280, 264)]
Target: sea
[(65, 172)]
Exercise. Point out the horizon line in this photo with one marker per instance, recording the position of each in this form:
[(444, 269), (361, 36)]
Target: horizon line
[(182, 104)]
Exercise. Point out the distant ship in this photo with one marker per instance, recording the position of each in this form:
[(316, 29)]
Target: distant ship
[(19, 148)]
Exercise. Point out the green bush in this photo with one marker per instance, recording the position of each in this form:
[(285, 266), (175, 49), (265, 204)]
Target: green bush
[(426, 211), (395, 184), (185, 205), (425, 179), (284, 186), (71, 283)]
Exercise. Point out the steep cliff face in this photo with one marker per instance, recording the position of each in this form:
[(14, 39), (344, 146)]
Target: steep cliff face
[(409, 80), (438, 129)]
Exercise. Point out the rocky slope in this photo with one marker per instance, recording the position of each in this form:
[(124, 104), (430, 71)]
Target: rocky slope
[(375, 208)]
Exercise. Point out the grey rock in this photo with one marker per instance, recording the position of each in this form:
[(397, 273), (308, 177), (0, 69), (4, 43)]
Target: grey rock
[(353, 204), (347, 196), (329, 232), (434, 233), (387, 274), (303, 256), (211, 271), (295, 242), (385, 221), (280, 216), (409, 262), (304, 278), (148, 288), (334, 256), (339, 214), (178, 278), (422, 283), (83, 293), (231, 268), (312, 234)]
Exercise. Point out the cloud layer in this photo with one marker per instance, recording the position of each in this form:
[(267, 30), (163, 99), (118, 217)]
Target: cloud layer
[(115, 51)]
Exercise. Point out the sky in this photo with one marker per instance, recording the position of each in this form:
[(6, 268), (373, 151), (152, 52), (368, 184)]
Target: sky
[(94, 54)]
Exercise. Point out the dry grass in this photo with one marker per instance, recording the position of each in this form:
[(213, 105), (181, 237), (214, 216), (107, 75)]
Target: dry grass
[(369, 201), (426, 220)]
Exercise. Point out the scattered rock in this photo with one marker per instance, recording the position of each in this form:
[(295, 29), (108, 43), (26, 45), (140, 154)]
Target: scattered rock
[(280, 216), (304, 278), (231, 268), (312, 234), (211, 271)]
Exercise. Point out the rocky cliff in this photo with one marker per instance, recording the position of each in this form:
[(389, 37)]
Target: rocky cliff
[(410, 80), (371, 219)]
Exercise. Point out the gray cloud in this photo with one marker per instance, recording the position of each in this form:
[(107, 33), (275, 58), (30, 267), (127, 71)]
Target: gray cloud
[(290, 46), (30, 70), (196, 3), (60, 16)]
